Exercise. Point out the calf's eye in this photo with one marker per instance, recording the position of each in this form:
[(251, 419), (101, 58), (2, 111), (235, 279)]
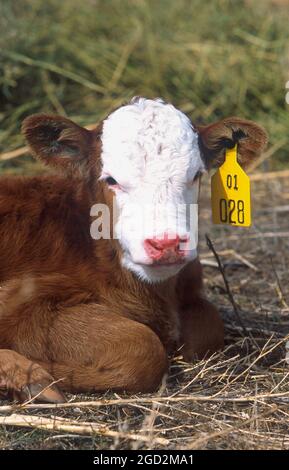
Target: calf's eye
[(111, 181)]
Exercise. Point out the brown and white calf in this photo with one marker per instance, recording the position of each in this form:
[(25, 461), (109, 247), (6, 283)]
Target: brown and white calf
[(107, 313)]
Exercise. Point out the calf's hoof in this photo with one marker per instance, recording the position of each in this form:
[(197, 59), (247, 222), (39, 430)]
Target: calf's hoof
[(22, 379)]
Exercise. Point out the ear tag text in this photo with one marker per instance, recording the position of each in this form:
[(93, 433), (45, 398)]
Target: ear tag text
[(230, 193)]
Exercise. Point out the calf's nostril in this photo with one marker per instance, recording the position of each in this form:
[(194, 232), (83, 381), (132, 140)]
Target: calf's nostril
[(165, 243), (157, 248), (152, 250)]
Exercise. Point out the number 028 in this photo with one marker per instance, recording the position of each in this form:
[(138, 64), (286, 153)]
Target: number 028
[(228, 209)]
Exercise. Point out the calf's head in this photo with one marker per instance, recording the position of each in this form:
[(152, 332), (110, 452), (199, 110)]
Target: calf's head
[(149, 157)]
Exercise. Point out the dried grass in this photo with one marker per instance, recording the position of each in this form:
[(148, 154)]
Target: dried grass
[(83, 58)]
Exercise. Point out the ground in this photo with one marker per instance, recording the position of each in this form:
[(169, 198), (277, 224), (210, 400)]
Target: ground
[(237, 399)]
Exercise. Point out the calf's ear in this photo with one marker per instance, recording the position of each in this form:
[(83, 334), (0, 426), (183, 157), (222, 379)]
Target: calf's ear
[(215, 138), (57, 141)]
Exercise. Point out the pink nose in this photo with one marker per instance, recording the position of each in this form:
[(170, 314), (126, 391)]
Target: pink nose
[(163, 248)]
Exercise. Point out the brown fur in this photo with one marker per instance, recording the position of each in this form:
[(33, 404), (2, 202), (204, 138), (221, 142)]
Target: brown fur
[(68, 310)]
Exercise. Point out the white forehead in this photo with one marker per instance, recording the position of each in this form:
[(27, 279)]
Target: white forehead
[(148, 140)]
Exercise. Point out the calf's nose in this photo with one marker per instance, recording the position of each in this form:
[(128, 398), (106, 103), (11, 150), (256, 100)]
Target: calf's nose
[(158, 248)]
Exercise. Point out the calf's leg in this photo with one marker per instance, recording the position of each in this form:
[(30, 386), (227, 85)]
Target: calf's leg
[(104, 352), (22, 379), (84, 346), (110, 354), (202, 330)]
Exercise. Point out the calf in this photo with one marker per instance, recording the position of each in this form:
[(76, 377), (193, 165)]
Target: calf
[(97, 313)]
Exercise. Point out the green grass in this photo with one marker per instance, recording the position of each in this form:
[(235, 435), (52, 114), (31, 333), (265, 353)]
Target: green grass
[(83, 58)]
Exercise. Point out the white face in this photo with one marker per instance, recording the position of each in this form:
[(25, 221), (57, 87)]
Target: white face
[(151, 151)]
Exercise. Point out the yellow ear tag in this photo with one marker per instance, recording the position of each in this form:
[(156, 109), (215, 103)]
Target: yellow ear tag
[(230, 193)]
